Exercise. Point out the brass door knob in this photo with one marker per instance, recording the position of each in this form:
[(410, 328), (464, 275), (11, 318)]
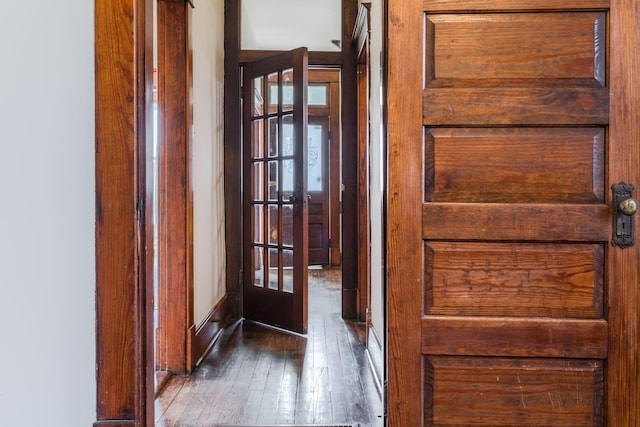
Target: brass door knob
[(628, 207)]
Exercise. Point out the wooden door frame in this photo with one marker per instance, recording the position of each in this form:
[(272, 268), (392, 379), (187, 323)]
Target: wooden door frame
[(405, 263), (124, 310), (175, 193), (360, 42), (331, 77), (123, 96), (234, 58)]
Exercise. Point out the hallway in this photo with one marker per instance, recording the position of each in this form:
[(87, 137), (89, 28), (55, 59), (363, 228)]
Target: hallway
[(257, 375)]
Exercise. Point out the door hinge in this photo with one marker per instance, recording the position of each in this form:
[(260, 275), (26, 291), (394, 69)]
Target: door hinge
[(240, 279)]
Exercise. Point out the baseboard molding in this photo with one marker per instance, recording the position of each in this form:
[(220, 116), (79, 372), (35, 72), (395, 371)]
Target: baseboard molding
[(376, 358), (204, 336), (119, 423)]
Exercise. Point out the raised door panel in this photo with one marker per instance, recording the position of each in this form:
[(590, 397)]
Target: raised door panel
[(515, 221)]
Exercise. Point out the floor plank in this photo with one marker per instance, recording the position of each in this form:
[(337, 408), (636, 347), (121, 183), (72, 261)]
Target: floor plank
[(256, 375)]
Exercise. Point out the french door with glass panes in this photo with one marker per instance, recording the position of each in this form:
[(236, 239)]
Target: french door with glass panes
[(275, 242)]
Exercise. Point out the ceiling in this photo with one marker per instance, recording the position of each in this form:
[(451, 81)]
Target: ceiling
[(288, 24)]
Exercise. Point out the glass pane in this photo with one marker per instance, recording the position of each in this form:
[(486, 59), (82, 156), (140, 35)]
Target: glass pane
[(314, 158), (287, 90), (273, 268), (317, 95), (277, 25), (258, 224), (287, 179), (273, 93), (257, 134), (287, 135), (258, 181), (258, 271), (287, 225), (273, 136), (273, 180), (287, 279), (274, 225), (258, 97)]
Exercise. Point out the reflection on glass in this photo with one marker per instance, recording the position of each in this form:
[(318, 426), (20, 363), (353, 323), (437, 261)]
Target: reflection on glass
[(273, 136), (257, 148), (258, 262), (314, 158), (273, 268), (287, 225), (287, 90), (287, 135), (258, 180), (273, 94), (274, 225), (287, 262), (287, 179), (258, 97), (258, 224), (273, 180)]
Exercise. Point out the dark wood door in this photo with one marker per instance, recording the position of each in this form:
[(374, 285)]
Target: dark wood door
[(318, 189), (509, 305), (275, 235)]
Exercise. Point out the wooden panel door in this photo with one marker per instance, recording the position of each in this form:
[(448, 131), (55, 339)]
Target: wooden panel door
[(275, 249), (508, 303), (318, 189)]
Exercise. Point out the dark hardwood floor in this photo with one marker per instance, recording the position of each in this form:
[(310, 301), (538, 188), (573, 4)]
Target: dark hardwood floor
[(256, 375)]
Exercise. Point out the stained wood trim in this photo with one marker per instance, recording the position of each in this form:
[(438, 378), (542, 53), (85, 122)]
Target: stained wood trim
[(623, 374), (175, 236), (335, 143), (404, 211), (349, 166), (205, 335), (124, 311), (115, 423), (542, 106), (364, 232), (332, 59), (466, 6), (535, 222), (232, 152), (514, 337)]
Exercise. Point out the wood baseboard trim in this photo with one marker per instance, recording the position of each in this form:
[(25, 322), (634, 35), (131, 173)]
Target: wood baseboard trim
[(376, 358), (116, 423), (205, 335)]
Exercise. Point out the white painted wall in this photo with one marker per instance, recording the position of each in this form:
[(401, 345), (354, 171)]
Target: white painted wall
[(377, 178), (47, 268), (207, 40)]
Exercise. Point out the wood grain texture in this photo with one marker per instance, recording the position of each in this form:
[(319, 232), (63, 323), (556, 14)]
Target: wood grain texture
[(174, 207), (506, 279), (623, 374), (315, 58), (530, 48), (503, 221), (517, 165), (515, 106), (509, 392), (123, 90), (511, 5), (259, 376), (232, 150), (514, 337), (350, 189), (404, 198)]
